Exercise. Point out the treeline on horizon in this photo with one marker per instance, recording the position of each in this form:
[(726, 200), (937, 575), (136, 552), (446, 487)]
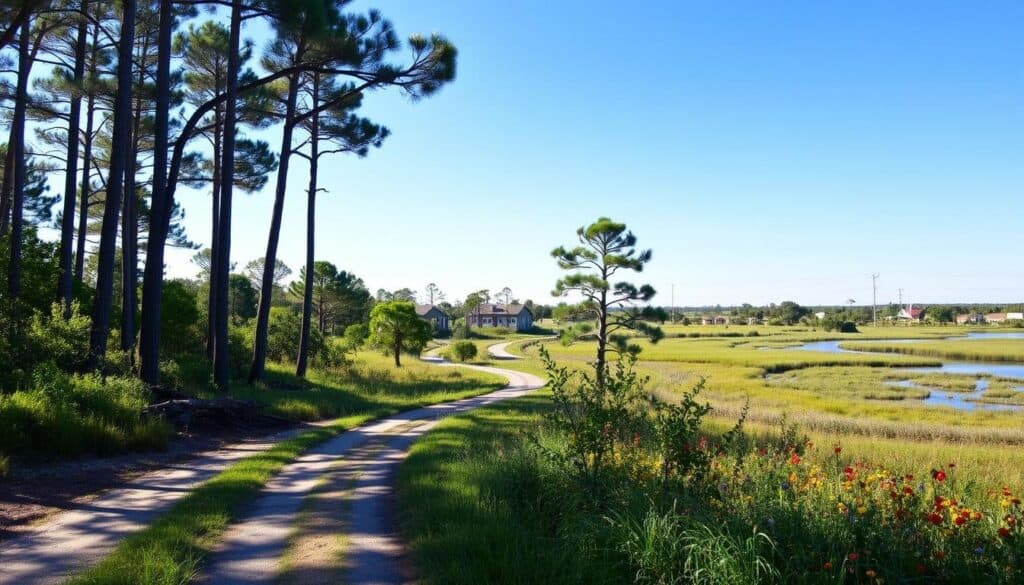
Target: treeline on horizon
[(111, 107)]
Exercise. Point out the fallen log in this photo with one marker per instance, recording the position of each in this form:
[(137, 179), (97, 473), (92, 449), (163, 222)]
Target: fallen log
[(187, 412)]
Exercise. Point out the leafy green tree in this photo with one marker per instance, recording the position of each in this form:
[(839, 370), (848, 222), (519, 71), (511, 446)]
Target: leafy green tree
[(941, 314), (241, 298), (395, 326), (790, 313), (606, 248), (179, 318)]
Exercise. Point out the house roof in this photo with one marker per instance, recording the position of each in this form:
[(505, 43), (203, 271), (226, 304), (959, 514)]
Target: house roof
[(423, 310), (502, 309), (912, 312)]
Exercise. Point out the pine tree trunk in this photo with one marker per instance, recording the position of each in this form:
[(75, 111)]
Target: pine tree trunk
[(115, 187), (160, 207), (86, 191), (7, 190), (130, 229), (221, 361), (307, 298), (211, 301), (259, 354), (67, 227), (17, 148)]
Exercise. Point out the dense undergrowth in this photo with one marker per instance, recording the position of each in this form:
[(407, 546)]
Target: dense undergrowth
[(511, 489)]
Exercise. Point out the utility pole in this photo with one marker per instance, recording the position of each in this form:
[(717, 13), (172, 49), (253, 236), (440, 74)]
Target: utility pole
[(673, 309), (874, 300), (901, 297)]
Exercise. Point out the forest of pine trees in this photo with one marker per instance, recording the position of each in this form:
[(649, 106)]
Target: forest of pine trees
[(108, 107)]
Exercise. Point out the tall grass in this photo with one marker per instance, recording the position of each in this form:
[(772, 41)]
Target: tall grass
[(67, 416), (991, 350)]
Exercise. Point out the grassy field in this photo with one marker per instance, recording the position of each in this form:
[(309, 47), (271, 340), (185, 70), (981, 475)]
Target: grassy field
[(848, 393), (173, 548)]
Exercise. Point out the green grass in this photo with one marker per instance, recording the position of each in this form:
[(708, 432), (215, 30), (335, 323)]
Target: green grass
[(455, 513), (477, 506), (66, 416), (989, 350), (172, 549)]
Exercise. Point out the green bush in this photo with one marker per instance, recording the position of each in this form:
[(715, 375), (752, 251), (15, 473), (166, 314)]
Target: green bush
[(463, 350), (67, 416), (179, 319), (66, 342), (240, 347)]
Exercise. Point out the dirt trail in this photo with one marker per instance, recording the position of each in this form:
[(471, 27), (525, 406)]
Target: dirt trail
[(252, 549), (80, 536)]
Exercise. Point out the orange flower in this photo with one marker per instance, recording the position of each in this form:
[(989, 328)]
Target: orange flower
[(827, 566), (1004, 532), (838, 449), (870, 573), (794, 459)]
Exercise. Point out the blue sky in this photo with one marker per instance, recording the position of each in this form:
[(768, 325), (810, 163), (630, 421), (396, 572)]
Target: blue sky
[(765, 151)]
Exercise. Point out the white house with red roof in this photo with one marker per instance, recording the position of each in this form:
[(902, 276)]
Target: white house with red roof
[(910, 313)]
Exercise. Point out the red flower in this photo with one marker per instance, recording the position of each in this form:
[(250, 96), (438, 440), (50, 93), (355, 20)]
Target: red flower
[(908, 490), (853, 556), (935, 518), (959, 520), (794, 459), (838, 449), (951, 465), (940, 555), (938, 475), (1004, 532)]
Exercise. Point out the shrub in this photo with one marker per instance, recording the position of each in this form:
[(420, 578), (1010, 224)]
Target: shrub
[(283, 332), (65, 342), (240, 347), (73, 415), (355, 335), (179, 316), (463, 350)]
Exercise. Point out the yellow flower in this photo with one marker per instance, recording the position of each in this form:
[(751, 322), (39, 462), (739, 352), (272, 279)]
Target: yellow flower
[(862, 510)]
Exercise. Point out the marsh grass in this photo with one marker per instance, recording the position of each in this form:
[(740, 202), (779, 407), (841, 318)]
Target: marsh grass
[(990, 350)]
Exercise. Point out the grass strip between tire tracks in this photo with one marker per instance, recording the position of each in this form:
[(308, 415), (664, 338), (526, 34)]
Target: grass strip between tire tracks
[(172, 549)]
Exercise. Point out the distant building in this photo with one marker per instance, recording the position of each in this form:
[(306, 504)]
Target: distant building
[(820, 315), (516, 317), (910, 313), (714, 320), (440, 320), (753, 321), (1015, 316), (970, 319), (996, 317)]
